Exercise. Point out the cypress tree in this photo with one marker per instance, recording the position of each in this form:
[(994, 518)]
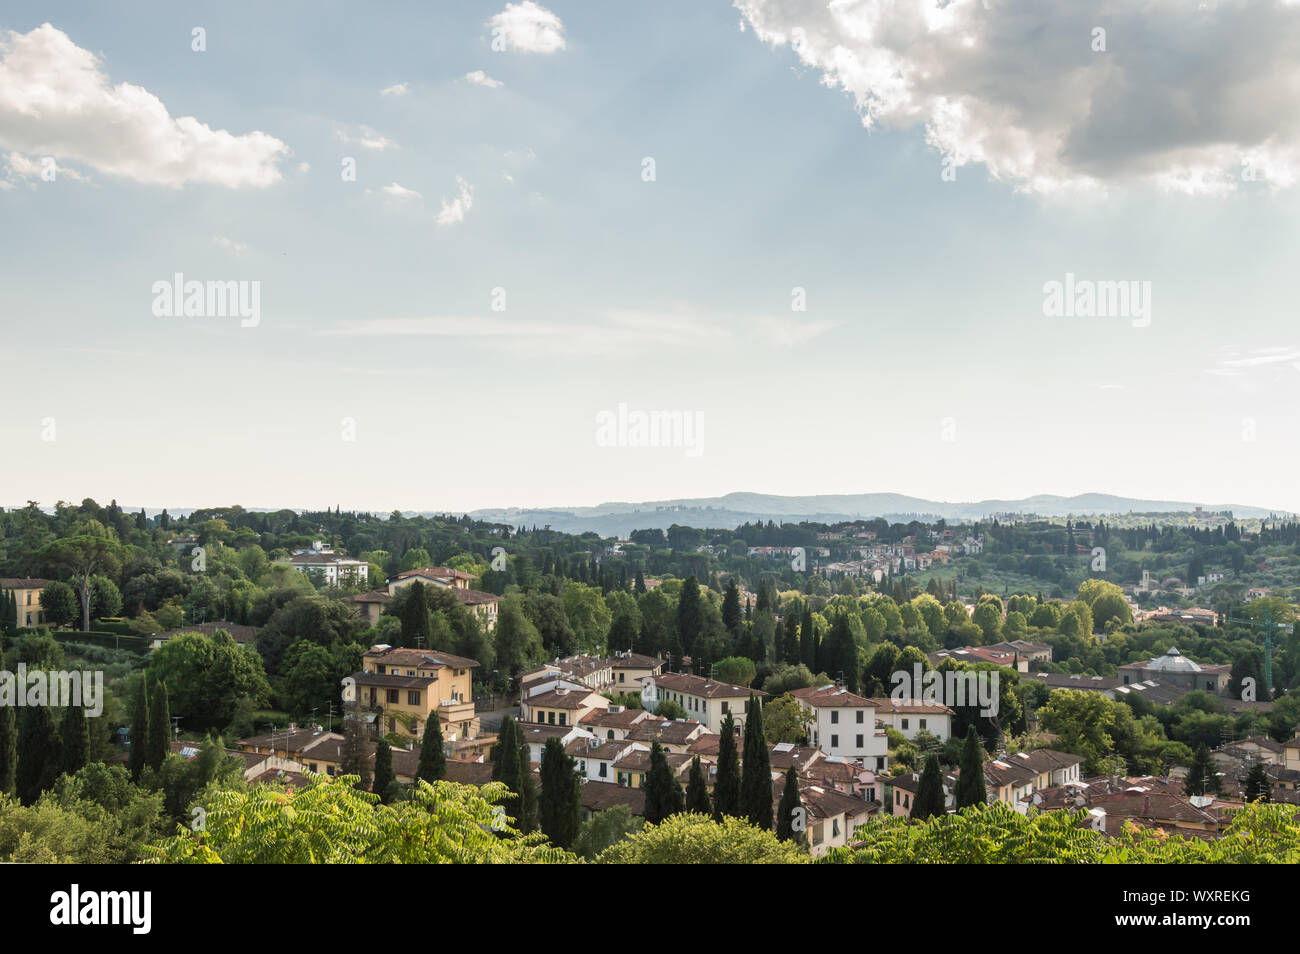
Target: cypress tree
[(790, 648), (929, 801), (756, 776), (791, 819), (527, 790), (808, 639), (158, 746), (76, 739), (385, 783), (731, 608), (505, 755), (970, 783), (663, 793), (1259, 787), (559, 806), (356, 745), (139, 729), (1201, 777), (433, 760), (8, 750), (697, 790), (690, 616), (37, 753), (726, 788)]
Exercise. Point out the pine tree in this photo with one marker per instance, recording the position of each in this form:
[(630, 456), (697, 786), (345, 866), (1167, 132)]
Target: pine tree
[(158, 746), (76, 739), (1259, 787), (756, 776), (726, 788), (731, 608), (697, 790), (639, 587), (37, 753), (385, 783), (970, 783), (433, 759), (1202, 779), (929, 801), (663, 793), (791, 819), (559, 805), (8, 749), (690, 616), (139, 730)]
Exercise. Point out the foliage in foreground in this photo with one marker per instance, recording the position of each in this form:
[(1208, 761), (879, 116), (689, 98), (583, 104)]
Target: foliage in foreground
[(996, 834), (699, 840), (332, 822)]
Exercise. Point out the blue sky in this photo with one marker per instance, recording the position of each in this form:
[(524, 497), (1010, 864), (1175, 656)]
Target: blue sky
[(923, 363)]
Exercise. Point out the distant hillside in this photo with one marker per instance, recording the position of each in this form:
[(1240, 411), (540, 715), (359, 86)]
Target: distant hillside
[(619, 518)]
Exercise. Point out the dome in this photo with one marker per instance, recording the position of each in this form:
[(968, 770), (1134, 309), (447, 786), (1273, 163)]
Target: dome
[(1173, 661)]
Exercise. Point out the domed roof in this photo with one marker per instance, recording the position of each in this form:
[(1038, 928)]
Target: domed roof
[(1173, 661)]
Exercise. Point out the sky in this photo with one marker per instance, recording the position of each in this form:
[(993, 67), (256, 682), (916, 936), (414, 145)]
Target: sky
[(825, 234)]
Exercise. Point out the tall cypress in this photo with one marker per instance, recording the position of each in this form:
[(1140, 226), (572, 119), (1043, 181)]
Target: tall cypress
[(663, 793), (433, 760), (731, 608), (970, 783), (559, 805), (1259, 787), (697, 790), (726, 788), (929, 801), (690, 616), (76, 739), (8, 750), (808, 639), (385, 783), (756, 776), (158, 746), (37, 753), (139, 729), (791, 819)]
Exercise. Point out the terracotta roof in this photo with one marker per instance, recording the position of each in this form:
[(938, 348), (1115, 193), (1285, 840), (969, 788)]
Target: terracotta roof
[(562, 698), (833, 697), (705, 688), (23, 583), (910, 707), (600, 796)]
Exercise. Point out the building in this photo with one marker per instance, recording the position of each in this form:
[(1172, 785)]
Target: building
[(910, 716), (703, 699), (329, 567), (483, 605), (843, 724), (560, 706), (27, 592), (404, 686), (1176, 670)]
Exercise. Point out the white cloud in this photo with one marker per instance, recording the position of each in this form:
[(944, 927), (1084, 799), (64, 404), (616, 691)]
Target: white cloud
[(479, 78), (785, 332), (400, 192), (365, 137), (527, 28), (454, 211), (397, 89), (1190, 98), (220, 241), (56, 99)]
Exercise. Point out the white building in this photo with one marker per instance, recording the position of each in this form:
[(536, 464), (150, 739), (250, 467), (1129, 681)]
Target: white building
[(844, 724)]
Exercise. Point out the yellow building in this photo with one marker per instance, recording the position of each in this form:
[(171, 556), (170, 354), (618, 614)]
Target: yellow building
[(405, 685), (28, 593)]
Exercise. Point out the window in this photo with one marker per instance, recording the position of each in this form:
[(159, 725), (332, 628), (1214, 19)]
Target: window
[(550, 717), (601, 773), (835, 717), (835, 741), (835, 828), (562, 719), (726, 707), (859, 738), (922, 723), (859, 715), (609, 734), (413, 697), (904, 723), (393, 695)]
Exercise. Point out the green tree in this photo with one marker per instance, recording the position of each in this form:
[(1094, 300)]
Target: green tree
[(139, 730), (385, 784), (726, 787), (791, 817), (8, 750), (697, 790), (929, 800), (604, 830), (690, 616), (1259, 787), (694, 839), (38, 762), (433, 758), (158, 744), (559, 806), (75, 739), (1202, 777), (970, 783), (90, 550), (663, 793), (756, 777), (59, 603)]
